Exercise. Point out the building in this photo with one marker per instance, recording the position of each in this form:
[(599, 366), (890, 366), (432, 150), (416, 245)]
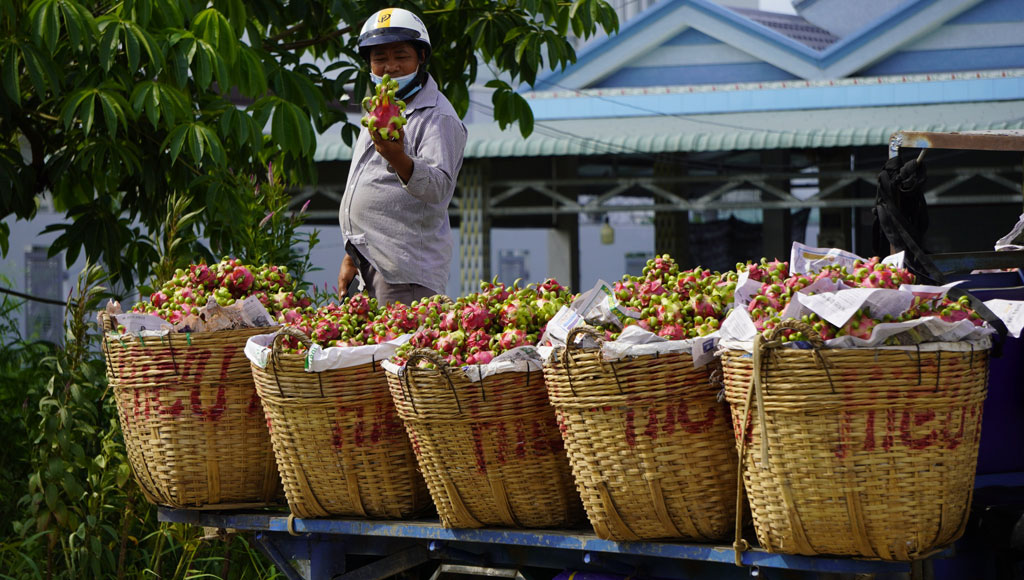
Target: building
[(732, 128)]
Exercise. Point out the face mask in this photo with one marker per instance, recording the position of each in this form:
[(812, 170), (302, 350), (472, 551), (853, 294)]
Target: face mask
[(402, 81)]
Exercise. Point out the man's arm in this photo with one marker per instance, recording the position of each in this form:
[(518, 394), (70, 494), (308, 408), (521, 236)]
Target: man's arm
[(346, 274)]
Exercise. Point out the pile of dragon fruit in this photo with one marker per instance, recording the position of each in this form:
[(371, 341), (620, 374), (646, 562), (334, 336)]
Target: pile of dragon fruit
[(675, 304), (226, 282), (476, 328), (778, 287), (359, 321), (672, 303), (471, 330)]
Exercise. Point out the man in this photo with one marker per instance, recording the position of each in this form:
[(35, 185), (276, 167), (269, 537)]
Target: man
[(394, 213)]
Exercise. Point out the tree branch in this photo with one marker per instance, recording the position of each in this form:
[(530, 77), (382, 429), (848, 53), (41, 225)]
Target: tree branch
[(290, 46)]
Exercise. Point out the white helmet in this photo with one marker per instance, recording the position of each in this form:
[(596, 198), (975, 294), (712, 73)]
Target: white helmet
[(393, 25)]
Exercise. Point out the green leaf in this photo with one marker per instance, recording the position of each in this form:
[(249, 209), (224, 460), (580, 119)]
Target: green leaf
[(202, 67), (290, 128), (123, 473), (524, 114), (175, 140), (131, 49), (108, 44), (11, 78), (51, 496), (41, 69), (147, 42), (252, 81), (43, 14), (195, 145), (113, 106)]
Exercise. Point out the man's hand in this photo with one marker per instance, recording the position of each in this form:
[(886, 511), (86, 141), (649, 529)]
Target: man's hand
[(394, 153), (346, 274)]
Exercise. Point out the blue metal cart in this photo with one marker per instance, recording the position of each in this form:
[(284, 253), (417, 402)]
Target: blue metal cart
[(321, 548)]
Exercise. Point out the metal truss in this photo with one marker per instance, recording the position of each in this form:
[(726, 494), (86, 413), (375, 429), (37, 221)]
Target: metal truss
[(1001, 185)]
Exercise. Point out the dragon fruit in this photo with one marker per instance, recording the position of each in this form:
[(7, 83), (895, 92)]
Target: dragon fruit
[(860, 325), (239, 281), (478, 339), (510, 339), (385, 114), (480, 357), (158, 298), (475, 316)]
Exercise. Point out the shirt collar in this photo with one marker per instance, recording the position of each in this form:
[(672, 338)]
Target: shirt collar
[(426, 97)]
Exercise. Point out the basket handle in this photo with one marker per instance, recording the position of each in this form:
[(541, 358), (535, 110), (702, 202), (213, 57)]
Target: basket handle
[(441, 298), (793, 324), (276, 348), (763, 344), (106, 321), (570, 339), (435, 358)]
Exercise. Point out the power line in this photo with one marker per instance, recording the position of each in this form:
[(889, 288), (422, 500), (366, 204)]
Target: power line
[(17, 294)]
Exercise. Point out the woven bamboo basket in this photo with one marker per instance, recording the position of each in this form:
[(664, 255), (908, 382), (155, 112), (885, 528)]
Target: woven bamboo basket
[(340, 447), (650, 443), (490, 451), (859, 452), (194, 431)]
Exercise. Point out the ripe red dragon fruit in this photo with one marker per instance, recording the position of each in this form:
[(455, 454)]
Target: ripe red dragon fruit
[(860, 325), (478, 339), (450, 321), (516, 313), (158, 298), (384, 113), (672, 332), (703, 305), (450, 343), (475, 316), (511, 339), (480, 357), (359, 304), (201, 275), (424, 337), (240, 280)]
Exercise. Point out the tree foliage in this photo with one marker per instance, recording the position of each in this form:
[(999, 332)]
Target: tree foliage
[(113, 107)]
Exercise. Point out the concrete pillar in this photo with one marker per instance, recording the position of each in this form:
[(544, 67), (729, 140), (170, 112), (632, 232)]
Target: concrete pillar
[(474, 227), (672, 228), (777, 232)]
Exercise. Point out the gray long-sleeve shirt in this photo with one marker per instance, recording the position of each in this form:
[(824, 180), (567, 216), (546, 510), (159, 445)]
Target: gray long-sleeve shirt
[(402, 229)]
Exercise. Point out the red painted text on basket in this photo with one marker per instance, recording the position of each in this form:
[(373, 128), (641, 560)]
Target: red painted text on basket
[(906, 428), (212, 413), (254, 404), (674, 417), (511, 443), (384, 426)]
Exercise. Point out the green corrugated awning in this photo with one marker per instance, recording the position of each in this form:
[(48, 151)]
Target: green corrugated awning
[(799, 129)]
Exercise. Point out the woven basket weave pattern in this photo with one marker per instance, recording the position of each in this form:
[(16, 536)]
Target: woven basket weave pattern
[(194, 430), (651, 447), (490, 451), (340, 447), (870, 452)]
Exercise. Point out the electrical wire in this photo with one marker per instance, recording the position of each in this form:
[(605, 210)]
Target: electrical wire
[(17, 294)]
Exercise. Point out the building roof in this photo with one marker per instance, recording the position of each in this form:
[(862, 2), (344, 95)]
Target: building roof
[(793, 26), (664, 21), (852, 126)]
